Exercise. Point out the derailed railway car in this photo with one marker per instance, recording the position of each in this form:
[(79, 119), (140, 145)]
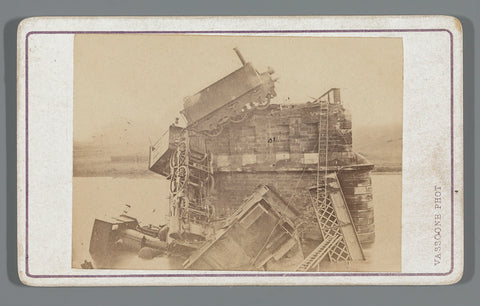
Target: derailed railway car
[(256, 237), (229, 99)]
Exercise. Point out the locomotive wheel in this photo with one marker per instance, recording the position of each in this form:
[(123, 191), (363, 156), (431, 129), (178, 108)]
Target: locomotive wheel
[(174, 160), (181, 158), (264, 103), (182, 175), (203, 158), (182, 146), (239, 117), (223, 120), (173, 184), (215, 132)]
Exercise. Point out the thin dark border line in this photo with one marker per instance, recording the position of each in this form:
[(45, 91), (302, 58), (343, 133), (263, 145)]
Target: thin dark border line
[(233, 274)]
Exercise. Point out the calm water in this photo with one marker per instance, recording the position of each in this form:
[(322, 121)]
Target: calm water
[(96, 197)]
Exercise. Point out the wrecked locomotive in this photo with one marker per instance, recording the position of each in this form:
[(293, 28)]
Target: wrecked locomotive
[(241, 175)]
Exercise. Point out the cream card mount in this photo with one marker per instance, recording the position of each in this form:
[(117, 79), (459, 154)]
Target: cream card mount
[(300, 150)]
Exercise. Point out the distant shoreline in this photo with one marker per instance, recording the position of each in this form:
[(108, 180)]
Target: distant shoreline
[(147, 173), (387, 172)]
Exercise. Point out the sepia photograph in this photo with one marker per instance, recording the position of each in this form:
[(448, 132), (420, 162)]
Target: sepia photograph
[(237, 153)]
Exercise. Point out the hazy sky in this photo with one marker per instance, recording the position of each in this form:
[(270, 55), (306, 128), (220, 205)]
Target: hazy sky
[(130, 87)]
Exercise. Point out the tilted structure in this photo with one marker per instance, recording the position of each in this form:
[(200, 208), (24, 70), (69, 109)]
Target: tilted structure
[(236, 142), (248, 141)]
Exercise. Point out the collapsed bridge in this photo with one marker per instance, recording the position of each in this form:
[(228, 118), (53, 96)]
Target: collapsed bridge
[(254, 185), (238, 140)]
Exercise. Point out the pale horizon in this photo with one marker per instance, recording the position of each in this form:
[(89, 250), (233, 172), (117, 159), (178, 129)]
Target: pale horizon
[(131, 87)]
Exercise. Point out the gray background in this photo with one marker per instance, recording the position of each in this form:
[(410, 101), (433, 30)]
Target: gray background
[(12, 292)]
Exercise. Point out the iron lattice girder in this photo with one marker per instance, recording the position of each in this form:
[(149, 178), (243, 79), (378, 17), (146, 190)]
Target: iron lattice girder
[(334, 220), (330, 227), (318, 254)]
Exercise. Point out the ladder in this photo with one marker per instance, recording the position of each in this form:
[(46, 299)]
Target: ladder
[(323, 131), (319, 253), (330, 207), (322, 145)]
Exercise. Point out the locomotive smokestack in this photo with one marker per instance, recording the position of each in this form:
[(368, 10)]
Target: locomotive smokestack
[(240, 56)]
